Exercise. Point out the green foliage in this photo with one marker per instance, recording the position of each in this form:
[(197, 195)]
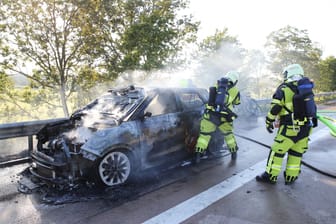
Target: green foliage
[(255, 80), (216, 55), (138, 34), (70, 46), (214, 43), (44, 36), (290, 45), (5, 83), (22, 104), (327, 80)]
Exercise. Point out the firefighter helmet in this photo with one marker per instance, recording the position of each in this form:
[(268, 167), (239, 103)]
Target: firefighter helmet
[(293, 72), (232, 76)]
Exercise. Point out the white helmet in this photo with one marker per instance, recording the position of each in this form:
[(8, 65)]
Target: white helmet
[(232, 76), (293, 72)]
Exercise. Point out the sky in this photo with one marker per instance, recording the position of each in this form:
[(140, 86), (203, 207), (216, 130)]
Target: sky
[(251, 21)]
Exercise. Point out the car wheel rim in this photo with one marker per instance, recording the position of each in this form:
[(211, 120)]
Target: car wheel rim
[(115, 168)]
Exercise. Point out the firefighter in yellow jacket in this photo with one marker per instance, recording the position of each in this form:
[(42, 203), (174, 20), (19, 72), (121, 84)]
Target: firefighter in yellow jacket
[(296, 123), (219, 114)]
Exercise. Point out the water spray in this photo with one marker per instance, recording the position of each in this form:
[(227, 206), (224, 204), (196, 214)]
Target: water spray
[(329, 122)]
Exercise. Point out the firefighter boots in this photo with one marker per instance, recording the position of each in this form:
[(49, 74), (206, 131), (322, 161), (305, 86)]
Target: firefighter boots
[(233, 155), (265, 177), (197, 157), (289, 179)]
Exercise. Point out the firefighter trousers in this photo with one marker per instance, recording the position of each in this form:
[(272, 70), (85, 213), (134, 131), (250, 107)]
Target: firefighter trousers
[(292, 140), (208, 126)]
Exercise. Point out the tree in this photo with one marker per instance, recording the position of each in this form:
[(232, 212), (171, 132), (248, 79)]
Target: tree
[(139, 34), (256, 80), (14, 101), (75, 44), (327, 80), (290, 45), (217, 55), (45, 36)]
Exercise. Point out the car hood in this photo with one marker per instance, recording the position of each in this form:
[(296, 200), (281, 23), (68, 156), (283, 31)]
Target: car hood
[(76, 131), (106, 112)]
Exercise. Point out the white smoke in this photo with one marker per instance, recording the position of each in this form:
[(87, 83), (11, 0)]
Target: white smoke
[(80, 134), (203, 70)]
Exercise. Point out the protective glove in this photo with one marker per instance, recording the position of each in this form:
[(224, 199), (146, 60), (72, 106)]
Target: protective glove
[(269, 125)]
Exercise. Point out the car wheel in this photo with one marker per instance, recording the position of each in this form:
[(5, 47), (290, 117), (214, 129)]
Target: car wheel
[(115, 168)]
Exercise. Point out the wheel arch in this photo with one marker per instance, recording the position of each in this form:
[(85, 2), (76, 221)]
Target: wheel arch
[(125, 149)]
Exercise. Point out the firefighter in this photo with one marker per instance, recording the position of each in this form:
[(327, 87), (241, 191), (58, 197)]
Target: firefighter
[(219, 114), (292, 135)]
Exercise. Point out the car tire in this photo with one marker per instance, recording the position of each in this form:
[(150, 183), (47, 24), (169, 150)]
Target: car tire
[(115, 168)]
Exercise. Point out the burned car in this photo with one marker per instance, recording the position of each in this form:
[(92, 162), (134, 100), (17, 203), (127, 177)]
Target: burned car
[(118, 135)]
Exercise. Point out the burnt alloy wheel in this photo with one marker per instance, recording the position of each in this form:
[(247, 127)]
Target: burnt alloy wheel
[(115, 168)]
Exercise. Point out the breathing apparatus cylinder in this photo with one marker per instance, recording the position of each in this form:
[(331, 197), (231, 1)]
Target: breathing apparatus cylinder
[(305, 89), (222, 87), (212, 96)]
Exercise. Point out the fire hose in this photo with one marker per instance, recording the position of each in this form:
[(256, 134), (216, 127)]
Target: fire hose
[(328, 122), (325, 120)]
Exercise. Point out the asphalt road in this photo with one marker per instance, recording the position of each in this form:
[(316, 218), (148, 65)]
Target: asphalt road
[(214, 191)]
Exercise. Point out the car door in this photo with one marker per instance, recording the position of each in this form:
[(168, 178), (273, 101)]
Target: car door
[(160, 138), (192, 101)]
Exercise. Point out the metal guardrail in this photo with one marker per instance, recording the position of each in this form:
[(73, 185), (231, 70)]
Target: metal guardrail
[(325, 97), (22, 129), (319, 98)]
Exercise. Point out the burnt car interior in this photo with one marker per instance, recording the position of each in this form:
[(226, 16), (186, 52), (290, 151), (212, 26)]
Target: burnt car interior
[(190, 100), (162, 104)]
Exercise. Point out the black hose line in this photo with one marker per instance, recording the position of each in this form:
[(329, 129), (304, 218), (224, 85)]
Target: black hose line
[(303, 162)]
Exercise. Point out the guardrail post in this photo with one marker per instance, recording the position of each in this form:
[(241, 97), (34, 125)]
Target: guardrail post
[(30, 144)]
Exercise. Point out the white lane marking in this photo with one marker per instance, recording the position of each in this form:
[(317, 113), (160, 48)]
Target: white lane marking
[(190, 207)]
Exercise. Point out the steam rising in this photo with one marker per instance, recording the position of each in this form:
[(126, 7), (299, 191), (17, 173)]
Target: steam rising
[(80, 135), (202, 71), (205, 68)]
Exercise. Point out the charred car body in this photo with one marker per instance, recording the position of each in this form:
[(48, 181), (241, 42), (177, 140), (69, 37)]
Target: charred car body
[(123, 132)]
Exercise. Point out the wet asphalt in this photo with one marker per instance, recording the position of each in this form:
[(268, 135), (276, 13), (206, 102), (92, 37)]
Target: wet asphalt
[(311, 199)]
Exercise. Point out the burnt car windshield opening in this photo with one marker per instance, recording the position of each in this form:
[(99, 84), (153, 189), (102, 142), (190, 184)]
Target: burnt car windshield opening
[(116, 103)]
